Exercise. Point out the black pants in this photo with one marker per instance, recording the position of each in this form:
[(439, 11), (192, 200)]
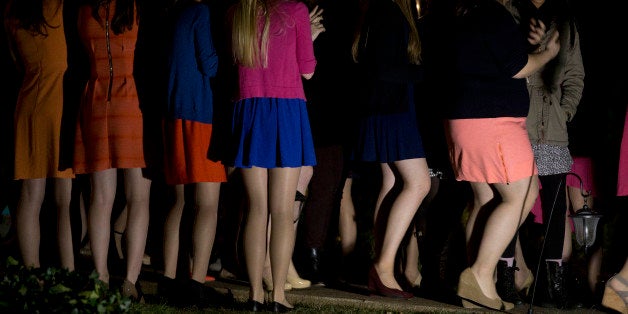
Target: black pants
[(554, 205)]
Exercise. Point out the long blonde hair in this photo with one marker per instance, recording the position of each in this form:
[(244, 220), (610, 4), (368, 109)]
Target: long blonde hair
[(246, 46), (414, 44)]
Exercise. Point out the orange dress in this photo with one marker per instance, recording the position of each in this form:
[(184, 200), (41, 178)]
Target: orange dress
[(109, 130), (40, 101)]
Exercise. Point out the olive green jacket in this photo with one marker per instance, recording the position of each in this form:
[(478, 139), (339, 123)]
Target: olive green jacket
[(555, 91)]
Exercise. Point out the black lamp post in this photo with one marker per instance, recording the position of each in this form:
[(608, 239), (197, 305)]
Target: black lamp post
[(585, 220)]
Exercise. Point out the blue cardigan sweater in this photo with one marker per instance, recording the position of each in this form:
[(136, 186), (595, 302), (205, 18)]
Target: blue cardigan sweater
[(192, 62)]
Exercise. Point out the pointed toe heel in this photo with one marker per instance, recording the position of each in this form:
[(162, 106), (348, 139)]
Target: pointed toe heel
[(254, 306), (376, 287), (132, 291), (277, 307)]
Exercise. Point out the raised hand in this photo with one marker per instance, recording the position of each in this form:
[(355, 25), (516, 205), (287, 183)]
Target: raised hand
[(316, 16), (537, 32)]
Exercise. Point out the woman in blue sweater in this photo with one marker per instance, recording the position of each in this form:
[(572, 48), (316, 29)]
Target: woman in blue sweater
[(192, 63)]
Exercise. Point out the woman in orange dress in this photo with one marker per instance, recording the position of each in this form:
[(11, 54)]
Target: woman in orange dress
[(37, 41), (109, 133)]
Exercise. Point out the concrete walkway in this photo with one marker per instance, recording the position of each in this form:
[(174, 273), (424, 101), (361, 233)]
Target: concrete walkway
[(357, 298)]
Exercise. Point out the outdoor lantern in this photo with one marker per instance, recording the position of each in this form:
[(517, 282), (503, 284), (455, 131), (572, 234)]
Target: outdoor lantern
[(585, 221)]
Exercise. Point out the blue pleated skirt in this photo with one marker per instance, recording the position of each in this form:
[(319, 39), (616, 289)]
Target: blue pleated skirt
[(271, 133)]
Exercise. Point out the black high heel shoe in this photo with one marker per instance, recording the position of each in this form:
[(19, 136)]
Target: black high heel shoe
[(377, 287), (254, 306), (132, 291), (279, 308)]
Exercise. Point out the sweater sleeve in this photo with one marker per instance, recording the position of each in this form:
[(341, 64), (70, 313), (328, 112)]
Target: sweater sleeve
[(573, 84), (305, 46), (205, 51)]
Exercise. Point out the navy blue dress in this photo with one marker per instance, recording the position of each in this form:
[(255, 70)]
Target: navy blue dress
[(388, 129)]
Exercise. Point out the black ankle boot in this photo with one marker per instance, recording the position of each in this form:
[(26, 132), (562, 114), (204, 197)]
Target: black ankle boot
[(313, 265), (556, 284), (506, 283)]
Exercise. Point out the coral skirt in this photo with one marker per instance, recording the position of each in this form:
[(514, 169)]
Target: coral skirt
[(186, 144), (491, 150)]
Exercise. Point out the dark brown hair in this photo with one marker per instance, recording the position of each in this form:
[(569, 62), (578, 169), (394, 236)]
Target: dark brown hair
[(29, 15), (124, 16)]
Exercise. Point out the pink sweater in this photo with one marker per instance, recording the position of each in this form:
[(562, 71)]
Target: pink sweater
[(290, 54)]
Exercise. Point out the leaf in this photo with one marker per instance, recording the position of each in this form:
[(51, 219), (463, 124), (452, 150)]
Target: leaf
[(58, 289), (12, 261), (36, 290)]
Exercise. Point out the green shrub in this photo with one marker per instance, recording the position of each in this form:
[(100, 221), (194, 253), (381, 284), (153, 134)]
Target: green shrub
[(53, 290)]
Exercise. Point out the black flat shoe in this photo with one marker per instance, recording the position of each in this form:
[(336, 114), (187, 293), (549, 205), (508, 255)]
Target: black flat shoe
[(167, 290), (254, 306), (279, 308), (200, 295)]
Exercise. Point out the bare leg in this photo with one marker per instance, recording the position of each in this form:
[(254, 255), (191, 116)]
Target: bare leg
[(416, 185), (517, 200), (411, 268), (171, 233), (119, 227), (482, 194), (256, 184), (388, 182), (83, 213), (282, 183), (304, 180), (207, 195), (63, 196), (99, 216), (567, 246), (267, 274), (347, 228), (27, 217), (522, 274), (302, 186), (137, 189), (594, 266)]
